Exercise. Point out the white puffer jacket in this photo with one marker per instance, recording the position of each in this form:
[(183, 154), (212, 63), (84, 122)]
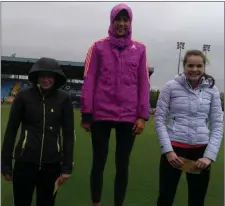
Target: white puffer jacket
[(188, 112)]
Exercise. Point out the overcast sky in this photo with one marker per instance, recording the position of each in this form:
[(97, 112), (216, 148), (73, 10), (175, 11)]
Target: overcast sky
[(66, 30)]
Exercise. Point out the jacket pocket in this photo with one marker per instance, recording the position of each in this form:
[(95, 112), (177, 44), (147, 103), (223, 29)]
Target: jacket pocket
[(132, 66), (130, 72), (132, 62), (24, 142)]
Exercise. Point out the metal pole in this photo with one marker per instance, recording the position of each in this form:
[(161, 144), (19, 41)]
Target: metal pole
[(178, 69), (180, 46), (206, 49)]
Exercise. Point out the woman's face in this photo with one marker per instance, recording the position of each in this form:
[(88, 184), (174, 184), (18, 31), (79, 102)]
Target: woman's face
[(46, 80), (121, 24), (194, 67)]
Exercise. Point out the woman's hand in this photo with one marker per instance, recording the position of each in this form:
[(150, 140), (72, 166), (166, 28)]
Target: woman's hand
[(86, 126), (203, 163), (63, 178), (139, 126), (174, 160), (8, 177)]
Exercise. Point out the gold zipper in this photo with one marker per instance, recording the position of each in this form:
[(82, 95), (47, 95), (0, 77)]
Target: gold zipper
[(43, 134), (58, 143)]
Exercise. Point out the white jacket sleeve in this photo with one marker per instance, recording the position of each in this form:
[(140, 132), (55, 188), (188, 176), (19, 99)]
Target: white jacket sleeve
[(216, 127), (161, 113)]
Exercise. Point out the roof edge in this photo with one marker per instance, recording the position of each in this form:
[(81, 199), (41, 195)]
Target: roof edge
[(62, 63), (33, 60)]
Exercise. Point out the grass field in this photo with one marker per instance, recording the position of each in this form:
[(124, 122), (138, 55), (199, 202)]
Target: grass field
[(143, 180)]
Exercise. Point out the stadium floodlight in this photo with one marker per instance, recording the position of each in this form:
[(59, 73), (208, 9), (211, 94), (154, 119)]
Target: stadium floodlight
[(206, 48), (180, 46)]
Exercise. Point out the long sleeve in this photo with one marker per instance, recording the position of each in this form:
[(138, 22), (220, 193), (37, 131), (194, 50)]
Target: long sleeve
[(144, 88), (13, 124), (161, 113), (91, 67), (216, 127), (68, 136)]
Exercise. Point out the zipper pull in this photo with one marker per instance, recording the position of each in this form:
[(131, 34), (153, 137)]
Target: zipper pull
[(173, 124), (39, 167), (200, 98)]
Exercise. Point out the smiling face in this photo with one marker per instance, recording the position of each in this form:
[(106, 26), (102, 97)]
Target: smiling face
[(46, 80), (194, 67), (122, 23)]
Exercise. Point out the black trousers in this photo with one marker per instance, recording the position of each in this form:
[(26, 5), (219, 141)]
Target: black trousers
[(169, 179), (100, 141), (27, 176)]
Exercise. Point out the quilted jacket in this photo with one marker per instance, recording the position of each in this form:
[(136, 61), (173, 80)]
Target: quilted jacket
[(183, 115)]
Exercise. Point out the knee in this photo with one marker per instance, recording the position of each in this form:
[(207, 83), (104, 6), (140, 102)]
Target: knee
[(122, 167), (98, 164)]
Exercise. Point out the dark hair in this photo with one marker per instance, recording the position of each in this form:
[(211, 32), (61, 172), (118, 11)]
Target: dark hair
[(199, 53), (123, 12)]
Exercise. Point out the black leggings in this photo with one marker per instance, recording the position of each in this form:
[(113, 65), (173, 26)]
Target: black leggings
[(169, 179), (27, 176), (100, 141)]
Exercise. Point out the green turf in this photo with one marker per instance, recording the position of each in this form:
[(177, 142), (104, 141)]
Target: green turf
[(143, 180)]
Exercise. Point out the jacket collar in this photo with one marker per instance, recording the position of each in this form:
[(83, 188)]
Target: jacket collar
[(183, 80), (41, 93)]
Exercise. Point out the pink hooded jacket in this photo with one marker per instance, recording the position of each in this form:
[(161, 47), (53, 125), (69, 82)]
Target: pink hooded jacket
[(116, 78)]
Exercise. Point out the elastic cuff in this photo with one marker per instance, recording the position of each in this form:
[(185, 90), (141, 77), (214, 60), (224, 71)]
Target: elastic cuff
[(144, 114), (69, 172), (143, 118), (87, 117), (210, 155), (66, 170), (6, 171), (166, 148)]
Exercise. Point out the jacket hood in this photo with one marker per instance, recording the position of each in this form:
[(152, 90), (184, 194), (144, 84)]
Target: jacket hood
[(47, 65), (125, 41), (116, 9), (182, 79)]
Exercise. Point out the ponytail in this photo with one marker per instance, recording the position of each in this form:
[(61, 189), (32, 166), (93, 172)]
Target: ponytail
[(210, 79)]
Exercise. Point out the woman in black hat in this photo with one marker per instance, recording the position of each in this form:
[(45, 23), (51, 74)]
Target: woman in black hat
[(40, 159)]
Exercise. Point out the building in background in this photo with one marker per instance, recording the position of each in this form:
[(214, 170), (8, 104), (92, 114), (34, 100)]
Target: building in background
[(15, 71)]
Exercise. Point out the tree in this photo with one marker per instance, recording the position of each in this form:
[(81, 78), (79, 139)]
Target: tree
[(154, 95)]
